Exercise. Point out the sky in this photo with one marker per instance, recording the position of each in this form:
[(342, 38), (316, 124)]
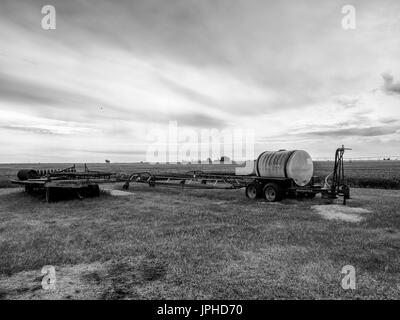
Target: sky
[(112, 72)]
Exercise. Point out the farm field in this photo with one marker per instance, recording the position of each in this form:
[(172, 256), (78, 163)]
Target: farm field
[(364, 174), (165, 243)]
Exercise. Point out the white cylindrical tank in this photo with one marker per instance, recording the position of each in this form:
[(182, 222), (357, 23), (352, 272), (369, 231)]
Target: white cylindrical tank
[(294, 164)]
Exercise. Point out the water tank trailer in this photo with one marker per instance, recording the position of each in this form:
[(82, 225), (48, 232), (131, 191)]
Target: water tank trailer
[(276, 174), (290, 173)]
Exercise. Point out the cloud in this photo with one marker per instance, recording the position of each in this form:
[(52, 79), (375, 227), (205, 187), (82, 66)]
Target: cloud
[(28, 129), (24, 91), (113, 152), (347, 101), (112, 70), (389, 85), (191, 94), (199, 120), (363, 132), (67, 104)]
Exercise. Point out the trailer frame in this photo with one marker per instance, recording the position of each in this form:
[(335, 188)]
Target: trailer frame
[(56, 183)]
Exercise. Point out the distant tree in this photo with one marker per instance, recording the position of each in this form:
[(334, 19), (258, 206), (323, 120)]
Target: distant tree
[(225, 159)]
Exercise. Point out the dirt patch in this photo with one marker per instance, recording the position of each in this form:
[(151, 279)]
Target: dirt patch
[(93, 277), (152, 269), (127, 277), (117, 193), (7, 191), (340, 212), (69, 284), (108, 280)]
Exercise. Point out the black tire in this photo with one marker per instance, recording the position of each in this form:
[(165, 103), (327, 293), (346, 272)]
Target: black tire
[(252, 191), (272, 192), (125, 186)]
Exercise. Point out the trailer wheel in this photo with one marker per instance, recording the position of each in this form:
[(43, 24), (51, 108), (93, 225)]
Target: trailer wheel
[(272, 192), (126, 185), (252, 191)]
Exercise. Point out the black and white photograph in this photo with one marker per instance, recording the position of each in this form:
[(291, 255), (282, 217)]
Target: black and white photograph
[(208, 150)]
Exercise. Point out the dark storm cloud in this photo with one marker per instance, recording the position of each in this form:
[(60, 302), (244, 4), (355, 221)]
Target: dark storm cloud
[(389, 85)]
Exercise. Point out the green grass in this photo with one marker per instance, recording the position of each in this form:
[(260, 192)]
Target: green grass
[(200, 244)]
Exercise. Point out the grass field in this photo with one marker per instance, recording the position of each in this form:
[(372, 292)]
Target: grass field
[(198, 244), (364, 174)]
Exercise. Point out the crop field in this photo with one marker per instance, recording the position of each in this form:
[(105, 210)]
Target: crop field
[(365, 174)]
